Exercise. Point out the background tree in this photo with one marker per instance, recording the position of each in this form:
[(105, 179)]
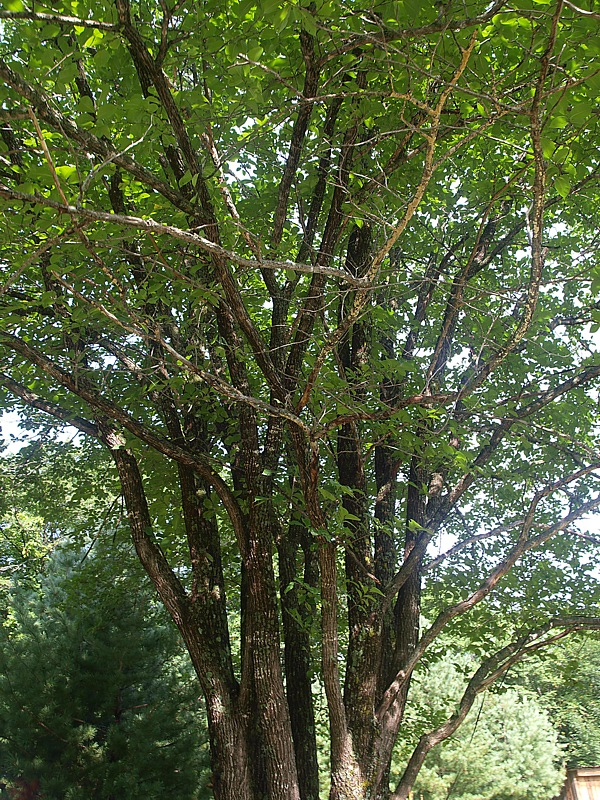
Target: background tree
[(42, 503), (507, 747), (93, 695), (320, 278), (567, 685)]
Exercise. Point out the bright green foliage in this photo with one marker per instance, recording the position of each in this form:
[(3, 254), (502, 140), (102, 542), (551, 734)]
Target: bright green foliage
[(24, 546), (568, 685), (507, 748), (42, 502), (95, 700), (45, 478)]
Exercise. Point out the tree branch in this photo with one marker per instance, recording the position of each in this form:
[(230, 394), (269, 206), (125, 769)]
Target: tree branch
[(60, 19), (523, 545), (81, 387), (311, 82), (362, 295), (581, 379), (87, 140), (187, 236), (537, 221), (35, 401)]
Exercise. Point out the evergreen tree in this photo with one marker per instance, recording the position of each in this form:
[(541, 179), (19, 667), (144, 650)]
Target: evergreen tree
[(507, 748), (95, 700)]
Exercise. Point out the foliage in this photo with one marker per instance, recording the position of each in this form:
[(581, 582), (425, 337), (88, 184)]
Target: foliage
[(45, 479), (320, 279), (507, 748), (24, 547), (567, 685), (42, 503), (93, 695)]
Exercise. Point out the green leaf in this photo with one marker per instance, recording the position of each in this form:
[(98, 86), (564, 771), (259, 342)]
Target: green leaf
[(255, 53), (95, 39), (283, 18), (562, 184), (67, 173), (558, 122), (548, 147)]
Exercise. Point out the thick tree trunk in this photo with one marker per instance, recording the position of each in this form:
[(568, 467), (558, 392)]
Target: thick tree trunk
[(255, 743), (346, 779), (229, 733), (227, 727), (262, 634), (297, 611), (363, 605)]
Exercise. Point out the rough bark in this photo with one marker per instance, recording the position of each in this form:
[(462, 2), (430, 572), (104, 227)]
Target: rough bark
[(363, 604), (227, 727), (262, 637), (298, 610)]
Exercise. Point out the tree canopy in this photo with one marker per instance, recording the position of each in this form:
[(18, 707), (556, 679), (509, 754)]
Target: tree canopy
[(321, 278)]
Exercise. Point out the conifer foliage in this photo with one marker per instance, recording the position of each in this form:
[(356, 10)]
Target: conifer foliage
[(93, 699)]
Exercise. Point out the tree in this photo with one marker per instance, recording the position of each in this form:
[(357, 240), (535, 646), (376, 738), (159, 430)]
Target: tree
[(567, 685), (322, 280), (507, 747), (108, 714), (41, 504)]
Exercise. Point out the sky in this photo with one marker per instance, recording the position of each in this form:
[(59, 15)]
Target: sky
[(13, 437), (9, 427)]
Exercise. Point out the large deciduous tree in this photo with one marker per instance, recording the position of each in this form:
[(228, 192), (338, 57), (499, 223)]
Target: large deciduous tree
[(321, 278)]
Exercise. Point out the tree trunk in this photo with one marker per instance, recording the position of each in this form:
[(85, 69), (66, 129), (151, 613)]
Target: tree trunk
[(363, 604), (406, 629), (297, 612), (227, 729), (262, 634)]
